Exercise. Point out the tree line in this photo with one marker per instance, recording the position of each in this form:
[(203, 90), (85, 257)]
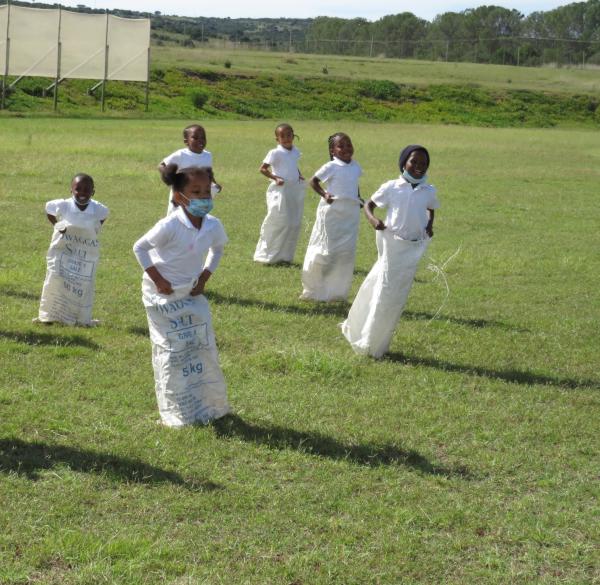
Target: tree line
[(568, 35), (489, 34)]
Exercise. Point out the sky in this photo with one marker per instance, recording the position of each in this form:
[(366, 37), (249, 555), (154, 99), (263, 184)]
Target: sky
[(370, 9)]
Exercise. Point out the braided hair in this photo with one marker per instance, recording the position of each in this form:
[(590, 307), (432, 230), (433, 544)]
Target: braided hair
[(179, 179)]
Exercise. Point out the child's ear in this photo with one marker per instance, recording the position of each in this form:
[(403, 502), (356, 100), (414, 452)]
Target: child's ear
[(177, 197)]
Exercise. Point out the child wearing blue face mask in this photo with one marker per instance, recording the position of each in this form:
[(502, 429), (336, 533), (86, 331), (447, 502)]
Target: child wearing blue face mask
[(401, 242), (179, 255)]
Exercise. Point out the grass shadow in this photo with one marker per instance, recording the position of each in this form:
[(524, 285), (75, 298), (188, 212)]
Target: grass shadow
[(475, 323), (137, 330), (512, 376), (340, 309), (35, 338), (370, 455), (337, 309), (19, 294), (280, 265), (28, 459)]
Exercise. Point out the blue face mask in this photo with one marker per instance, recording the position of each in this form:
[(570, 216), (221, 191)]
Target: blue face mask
[(199, 207), (412, 180)]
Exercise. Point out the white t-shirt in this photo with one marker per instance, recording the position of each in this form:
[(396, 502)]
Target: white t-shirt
[(284, 162), (66, 209), (407, 215), (179, 250), (184, 158), (341, 178)]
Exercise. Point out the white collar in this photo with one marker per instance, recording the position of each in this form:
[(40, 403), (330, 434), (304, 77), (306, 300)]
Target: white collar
[(180, 214), (402, 181), (192, 153), (340, 162), (284, 149)]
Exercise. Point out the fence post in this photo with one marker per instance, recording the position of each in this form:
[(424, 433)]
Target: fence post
[(105, 62), (7, 57), (58, 58)]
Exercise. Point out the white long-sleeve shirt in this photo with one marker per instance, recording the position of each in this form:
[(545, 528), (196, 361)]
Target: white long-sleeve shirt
[(179, 250)]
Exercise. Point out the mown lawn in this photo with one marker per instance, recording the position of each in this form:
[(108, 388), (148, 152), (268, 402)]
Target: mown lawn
[(468, 455)]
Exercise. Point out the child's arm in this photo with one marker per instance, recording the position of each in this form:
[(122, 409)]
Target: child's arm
[(315, 183), (213, 180), (162, 284), (429, 226), (141, 250), (51, 218), (300, 177), (212, 261), (374, 221), (265, 169)]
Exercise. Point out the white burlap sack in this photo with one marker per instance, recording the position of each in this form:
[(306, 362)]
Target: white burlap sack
[(281, 226), (329, 262), (382, 296), (190, 387), (72, 259)]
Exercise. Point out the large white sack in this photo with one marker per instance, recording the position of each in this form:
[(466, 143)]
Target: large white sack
[(190, 387), (281, 226), (72, 260), (329, 262), (382, 296)]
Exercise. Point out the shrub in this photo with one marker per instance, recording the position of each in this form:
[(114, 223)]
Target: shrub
[(227, 64), (380, 90), (199, 96)]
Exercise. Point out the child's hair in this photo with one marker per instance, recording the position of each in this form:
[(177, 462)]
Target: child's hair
[(191, 127), (285, 126), (332, 140), (406, 152), (83, 177), (179, 179)]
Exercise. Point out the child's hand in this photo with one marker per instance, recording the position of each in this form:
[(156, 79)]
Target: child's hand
[(329, 198), (301, 178), (164, 286), (378, 224), (429, 230), (199, 286), (278, 180), (198, 289)]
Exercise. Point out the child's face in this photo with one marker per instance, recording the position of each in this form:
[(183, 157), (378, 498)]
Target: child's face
[(82, 189), (417, 164), (196, 139), (285, 137), (197, 188), (343, 149)]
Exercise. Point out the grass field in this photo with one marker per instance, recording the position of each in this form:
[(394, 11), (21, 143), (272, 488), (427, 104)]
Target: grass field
[(468, 455), (410, 71), (187, 83)]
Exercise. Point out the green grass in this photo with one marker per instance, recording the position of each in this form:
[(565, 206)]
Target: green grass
[(414, 72), (468, 455), (193, 82)]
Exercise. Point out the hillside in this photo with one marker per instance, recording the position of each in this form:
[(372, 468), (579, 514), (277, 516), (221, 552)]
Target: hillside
[(193, 83)]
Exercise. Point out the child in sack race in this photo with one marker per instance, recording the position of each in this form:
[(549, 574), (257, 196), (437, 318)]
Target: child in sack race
[(401, 242), (178, 255), (72, 258), (285, 200), (329, 261), (193, 155)]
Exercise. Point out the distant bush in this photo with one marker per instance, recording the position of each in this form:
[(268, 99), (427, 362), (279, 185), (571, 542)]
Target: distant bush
[(199, 96), (227, 64), (380, 90)]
